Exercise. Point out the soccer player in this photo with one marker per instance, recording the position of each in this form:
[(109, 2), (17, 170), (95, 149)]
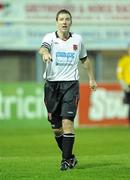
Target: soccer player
[(62, 50), (123, 75)]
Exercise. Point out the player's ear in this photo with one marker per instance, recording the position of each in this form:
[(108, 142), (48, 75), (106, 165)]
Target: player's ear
[(57, 23)]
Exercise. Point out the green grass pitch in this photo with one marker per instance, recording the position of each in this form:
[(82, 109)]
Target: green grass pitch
[(29, 152)]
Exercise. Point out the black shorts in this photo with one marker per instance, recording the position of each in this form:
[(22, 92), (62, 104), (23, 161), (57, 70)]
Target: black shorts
[(126, 98), (61, 100)]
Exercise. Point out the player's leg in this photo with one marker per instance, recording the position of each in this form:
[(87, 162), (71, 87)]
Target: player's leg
[(59, 137), (53, 107), (68, 159), (58, 133), (127, 101), (69, 108), (129, 114), (129, 107), (68, 138), (56, 124)]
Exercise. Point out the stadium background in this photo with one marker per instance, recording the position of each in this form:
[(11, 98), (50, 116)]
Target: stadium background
[(104, 26), (27, 147)]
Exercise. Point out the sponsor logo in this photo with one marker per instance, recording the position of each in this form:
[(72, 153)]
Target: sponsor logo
[(70, 112), (107, 104), (64, 58), (21, 105)]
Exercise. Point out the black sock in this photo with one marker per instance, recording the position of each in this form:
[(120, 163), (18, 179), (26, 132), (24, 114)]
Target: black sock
[(129, 115), (68, 141), (59, 140)]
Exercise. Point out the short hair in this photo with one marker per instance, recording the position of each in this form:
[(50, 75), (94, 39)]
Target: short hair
[(63, 11)]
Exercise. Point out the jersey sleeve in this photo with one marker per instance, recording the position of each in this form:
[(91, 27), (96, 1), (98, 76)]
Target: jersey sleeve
[(83, 51), (47, 41)]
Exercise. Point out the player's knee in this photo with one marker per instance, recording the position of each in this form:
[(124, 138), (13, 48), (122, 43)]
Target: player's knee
[(68, 126), (58, 132)]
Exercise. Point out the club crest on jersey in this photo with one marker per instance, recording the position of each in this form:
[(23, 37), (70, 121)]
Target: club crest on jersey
[(75, 47)]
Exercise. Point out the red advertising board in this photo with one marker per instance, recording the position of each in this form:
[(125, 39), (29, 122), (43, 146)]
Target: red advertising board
[(102, 107)]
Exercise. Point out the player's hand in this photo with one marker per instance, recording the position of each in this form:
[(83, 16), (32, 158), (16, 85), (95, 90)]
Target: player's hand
[(93, 85), (46, 57), (124, 86)]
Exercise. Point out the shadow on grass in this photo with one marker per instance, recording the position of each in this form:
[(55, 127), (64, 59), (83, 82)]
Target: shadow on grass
[(94, 165)]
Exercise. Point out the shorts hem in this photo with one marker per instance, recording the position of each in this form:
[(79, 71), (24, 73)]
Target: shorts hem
[(71, 118)]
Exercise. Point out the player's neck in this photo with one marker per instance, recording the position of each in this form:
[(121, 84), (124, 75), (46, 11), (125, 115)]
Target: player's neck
[(64, 36)]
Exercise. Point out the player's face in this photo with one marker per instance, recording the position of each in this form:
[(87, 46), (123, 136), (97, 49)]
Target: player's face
[(64, 22)]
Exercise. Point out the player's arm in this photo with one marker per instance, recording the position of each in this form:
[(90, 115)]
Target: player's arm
[(45, 48), (87, 64), (45, 54), (120, 74), (120, 68)]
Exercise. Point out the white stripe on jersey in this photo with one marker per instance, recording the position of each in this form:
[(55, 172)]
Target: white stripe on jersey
[(65, 57)]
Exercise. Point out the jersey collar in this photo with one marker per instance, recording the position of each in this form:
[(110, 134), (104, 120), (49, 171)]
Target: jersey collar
[(70, 35)]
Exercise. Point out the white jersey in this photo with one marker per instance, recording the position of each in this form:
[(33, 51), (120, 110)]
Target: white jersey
[(65, 57)]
